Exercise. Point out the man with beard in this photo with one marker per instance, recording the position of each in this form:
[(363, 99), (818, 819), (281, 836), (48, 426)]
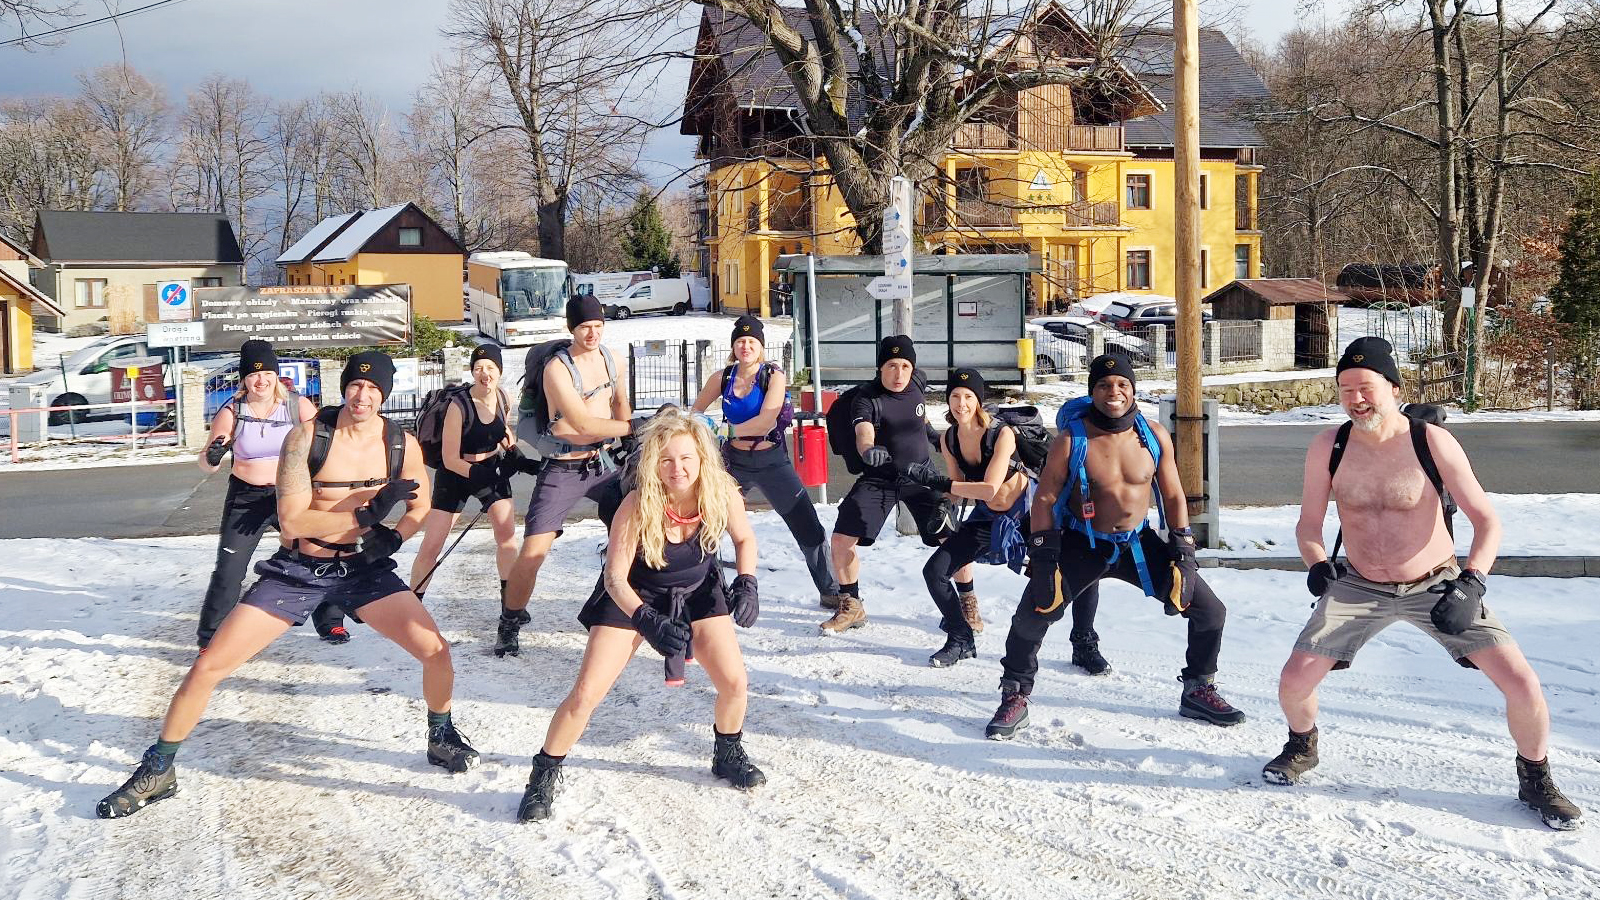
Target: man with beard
[(1382, 468)]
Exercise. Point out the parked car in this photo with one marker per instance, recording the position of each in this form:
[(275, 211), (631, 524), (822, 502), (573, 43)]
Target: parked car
[(1128, 315), (86, 376), (1076, 330), (668, 295)]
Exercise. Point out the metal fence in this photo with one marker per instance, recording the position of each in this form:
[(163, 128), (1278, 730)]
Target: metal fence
[(663, 372), (1237, 341)]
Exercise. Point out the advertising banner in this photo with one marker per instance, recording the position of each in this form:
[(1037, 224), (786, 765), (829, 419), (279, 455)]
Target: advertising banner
[(305, 317)]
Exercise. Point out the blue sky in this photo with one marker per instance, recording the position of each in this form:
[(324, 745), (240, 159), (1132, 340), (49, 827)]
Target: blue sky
[(297, 48)]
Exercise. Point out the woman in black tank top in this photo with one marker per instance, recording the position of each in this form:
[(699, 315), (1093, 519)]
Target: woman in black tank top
[(662, 584), (475, 438)]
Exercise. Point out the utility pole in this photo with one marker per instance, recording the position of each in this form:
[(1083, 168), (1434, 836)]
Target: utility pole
[(1190, 439)]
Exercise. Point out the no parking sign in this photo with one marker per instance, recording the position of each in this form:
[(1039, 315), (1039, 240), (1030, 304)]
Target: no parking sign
[(174, 301)]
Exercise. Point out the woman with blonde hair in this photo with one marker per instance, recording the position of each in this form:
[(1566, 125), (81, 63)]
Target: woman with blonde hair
[(663, 585), (252, 424)]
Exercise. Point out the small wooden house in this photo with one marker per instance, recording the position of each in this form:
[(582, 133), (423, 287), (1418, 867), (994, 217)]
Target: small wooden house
[(1313, 306)]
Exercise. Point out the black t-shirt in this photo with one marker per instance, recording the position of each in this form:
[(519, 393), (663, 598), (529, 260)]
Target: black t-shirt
[(900, 425)]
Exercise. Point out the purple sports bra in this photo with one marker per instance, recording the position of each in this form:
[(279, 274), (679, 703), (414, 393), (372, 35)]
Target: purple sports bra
[(255, 438)]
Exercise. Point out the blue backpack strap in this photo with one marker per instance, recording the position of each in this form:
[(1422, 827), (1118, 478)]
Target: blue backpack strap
[(1147, 436)]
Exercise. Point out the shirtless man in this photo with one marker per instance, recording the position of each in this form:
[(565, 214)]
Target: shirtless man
[(334, 547), (582, 421), (1088, 523), (1401, 566)]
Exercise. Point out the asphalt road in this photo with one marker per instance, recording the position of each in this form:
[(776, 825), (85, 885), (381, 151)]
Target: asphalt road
[(1261, 467)]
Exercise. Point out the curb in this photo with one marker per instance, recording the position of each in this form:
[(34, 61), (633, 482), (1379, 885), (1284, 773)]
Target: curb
[(1513, 566)]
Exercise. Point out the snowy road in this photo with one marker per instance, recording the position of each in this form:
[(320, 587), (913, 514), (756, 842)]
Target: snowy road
[(307, 777)]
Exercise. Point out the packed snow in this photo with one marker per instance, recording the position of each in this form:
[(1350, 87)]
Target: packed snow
[(307, 778)]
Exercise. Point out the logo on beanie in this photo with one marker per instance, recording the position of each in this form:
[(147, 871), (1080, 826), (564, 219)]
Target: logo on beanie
[(895, 350), (365, 367), (1357, 358), (744, 327), (257, 367), (964, 376)]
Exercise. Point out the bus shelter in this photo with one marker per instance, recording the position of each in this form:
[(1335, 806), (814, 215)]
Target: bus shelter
[(967, 310)]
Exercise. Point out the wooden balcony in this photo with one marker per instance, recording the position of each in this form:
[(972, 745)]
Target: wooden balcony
[(783, 217), (1243, 220), (968, 214), (984, 136), (1094, 138), (1092, 214), (1081, 138)]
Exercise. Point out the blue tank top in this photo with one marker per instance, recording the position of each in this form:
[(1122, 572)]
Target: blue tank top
[(741, 409)]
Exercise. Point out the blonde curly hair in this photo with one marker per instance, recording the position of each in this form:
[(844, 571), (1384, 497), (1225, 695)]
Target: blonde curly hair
[(714, 488)]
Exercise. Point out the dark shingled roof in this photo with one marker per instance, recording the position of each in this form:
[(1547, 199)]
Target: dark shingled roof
[(1230, 92), (1280, 291), (136, 237)]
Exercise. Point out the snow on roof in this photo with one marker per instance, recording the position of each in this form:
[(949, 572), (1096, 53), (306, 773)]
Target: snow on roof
[(303, 248), (354, 237)]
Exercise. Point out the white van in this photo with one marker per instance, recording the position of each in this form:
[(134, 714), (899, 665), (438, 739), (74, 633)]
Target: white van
[(668, 295)]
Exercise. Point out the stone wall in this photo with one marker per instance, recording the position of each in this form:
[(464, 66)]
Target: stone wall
[(1275, 396)]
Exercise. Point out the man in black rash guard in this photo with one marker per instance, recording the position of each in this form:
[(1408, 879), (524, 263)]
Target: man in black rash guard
[(891, 432)]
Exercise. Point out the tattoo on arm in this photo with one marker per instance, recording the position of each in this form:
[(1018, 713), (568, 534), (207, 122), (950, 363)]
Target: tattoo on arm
[(294, 472)]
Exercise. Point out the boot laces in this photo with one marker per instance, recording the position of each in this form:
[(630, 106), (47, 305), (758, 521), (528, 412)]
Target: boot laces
[(1207, 694), (733, 754), (448, 736), (1011, 707), (145, 777)]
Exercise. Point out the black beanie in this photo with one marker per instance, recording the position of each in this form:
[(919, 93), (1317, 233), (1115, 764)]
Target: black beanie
[(257, 356), (1373, 353), (491, 352), (369, 365), (748, 326), (965, 378), (896, 346), (1110, 364), (584, 308)]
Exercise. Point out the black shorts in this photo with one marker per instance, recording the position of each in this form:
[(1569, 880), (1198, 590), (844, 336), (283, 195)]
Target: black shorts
[(707, 600), (864, 510), (451, 492), (293, 584), (564, 482)]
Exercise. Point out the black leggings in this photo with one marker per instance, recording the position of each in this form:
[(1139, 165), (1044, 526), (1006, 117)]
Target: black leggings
[(771, 472), (248, 511), (961, 548), (1082, 567)]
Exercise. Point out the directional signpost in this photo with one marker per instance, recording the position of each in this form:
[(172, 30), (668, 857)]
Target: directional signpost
[(897, 254)]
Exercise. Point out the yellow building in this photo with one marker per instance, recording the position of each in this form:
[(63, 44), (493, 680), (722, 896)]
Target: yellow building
[(18, 302), (398, 244), (1086, 182)]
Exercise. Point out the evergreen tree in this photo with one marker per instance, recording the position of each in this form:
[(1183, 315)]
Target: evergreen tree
[(1575, 298), (647, 241)]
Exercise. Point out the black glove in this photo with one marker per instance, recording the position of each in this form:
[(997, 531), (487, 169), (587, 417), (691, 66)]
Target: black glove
[(925, 474), (746, 604), (380, 542), (1044, 557), (876, 456), (377, 509), (1324, 574), (669, 637), (1461, 605), (510, 463), (216, 450), (1180, 543)]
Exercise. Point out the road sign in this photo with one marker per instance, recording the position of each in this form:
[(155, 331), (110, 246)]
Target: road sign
[(295, 374), (886, 288), (174, 302), (175, 334)]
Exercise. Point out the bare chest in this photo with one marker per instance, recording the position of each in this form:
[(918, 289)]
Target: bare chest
[(1388, 479), (349, 460), (1115, 460)]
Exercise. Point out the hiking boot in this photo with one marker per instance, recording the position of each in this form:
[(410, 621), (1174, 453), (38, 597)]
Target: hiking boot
[(335, 635), (541, 792), (449, 749), (955, 649), (505, 638), (1537, 789), (829, 601), (969, 612), (1012, 716), (728, 760), (155, 779), (1299, 756), (1200, 700), (1086, 652), (852, 613), (521, 615)]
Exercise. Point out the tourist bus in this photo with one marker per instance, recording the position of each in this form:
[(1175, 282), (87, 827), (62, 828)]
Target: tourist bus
[(517, 298)]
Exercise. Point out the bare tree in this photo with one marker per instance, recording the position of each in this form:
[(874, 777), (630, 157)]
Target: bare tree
[(48, 160), (31, 17), (363, 145), (223, 157), (564, 87), (131, 122), (290, 155), (448, 117)]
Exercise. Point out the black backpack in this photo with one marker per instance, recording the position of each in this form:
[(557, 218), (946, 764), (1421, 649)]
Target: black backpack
[(533, 409), (1420, 415), (763, 378), (842, 431), (394, 438), (431, 415), (1033, 438)]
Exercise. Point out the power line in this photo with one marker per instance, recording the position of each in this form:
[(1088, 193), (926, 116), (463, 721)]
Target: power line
[(30, 38)]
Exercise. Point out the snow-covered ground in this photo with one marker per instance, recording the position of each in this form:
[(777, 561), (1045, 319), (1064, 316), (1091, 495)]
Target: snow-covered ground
[(307, 777), (1533, 525)]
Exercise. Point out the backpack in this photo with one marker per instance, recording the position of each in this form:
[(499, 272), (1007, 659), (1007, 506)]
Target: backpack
[(842, 432), (1069, 420), (763, 378), (431, 415), (1418, 415), (533, 410), (1033, 439), (394, 438)]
